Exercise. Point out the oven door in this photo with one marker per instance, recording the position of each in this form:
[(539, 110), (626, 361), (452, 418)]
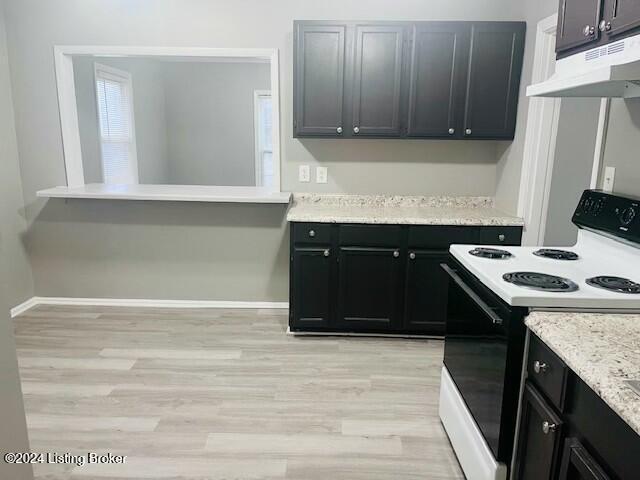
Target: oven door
[(475, 352)]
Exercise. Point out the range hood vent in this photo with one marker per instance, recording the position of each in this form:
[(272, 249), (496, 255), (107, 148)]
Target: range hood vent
[(610, 71)]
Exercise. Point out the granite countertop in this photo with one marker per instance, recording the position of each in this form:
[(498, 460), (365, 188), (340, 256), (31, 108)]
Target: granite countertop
[(602, 349), (383, 209)]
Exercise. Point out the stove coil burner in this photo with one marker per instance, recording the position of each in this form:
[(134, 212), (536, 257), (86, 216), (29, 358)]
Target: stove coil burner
[(494, 253), (556, 254), (540, 281), (615, 284)]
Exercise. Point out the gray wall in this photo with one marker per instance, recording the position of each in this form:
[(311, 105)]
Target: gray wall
[(210, 123), (149, 113), (622, 146), (12, 222), (86, 248), (15, 279), (572, 167)]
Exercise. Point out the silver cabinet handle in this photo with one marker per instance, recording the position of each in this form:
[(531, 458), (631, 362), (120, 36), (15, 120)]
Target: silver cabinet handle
[(312, 233), (501, 237), (339, 129), (539, 367), (588, 30), (356, 129), (468, 131), (452, 131), (396, 254), (604, 26), (327, 252), (412, 256), (548, 427)]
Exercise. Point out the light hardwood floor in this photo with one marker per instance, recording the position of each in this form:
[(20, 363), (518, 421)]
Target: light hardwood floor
[(225, 394)]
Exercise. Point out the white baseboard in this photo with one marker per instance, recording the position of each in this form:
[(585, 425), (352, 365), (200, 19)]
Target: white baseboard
[(139, 302)]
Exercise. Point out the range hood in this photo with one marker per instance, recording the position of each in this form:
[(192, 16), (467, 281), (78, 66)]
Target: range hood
[(609, 71)]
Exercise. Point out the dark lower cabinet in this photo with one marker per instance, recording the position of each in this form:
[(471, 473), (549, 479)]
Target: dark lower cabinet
[(578, 464), (570, 436), (539, 438), (426, 292), (311, 299), (369, 288), (376, 278)]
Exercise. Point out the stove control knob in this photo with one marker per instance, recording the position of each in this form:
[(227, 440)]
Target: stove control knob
[(627, 215)]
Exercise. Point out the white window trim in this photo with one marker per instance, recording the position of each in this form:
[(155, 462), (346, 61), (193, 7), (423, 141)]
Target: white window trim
[(256, 129), (63, 56), (118, 75)]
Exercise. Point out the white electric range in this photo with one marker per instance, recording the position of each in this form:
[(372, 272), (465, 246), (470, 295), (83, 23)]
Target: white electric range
[(491, 290)]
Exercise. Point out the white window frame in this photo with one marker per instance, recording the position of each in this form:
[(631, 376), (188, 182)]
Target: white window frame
[(257, 94), (108, 72), (63, 56)]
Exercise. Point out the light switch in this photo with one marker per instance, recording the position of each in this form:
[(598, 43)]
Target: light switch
[(304, 173), (609, 178), (321, 174)]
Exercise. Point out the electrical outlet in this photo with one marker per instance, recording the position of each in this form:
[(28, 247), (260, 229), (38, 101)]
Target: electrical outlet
[(609, 178), (321, 174), (304, 173)]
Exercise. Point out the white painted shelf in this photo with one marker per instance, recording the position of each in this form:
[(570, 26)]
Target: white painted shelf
[(171, 193)]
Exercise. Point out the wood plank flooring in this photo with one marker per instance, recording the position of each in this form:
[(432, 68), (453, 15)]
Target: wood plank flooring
[(225, 394)]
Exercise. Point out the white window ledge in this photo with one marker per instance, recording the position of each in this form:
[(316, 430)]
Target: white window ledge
[(171, 193)]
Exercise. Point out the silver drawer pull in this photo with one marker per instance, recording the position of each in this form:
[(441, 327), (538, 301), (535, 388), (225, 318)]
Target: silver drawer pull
[(327, 253), (312, 233), (396, 254), (501, 237), (539, 367), (412, 256), (548, 427)]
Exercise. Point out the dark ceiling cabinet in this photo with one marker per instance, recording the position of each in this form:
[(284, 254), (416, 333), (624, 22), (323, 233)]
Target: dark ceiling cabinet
[(566, 431), (376, 278), (455, 80), (585, 24)]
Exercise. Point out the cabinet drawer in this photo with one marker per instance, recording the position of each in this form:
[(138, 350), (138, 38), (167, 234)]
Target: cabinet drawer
[(547, 371), (312, 233), (370, 235), (500, 236), (441, 237)]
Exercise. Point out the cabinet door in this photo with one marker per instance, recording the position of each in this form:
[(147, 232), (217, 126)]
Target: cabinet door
[(539, 438), (577, 464), (438, 72), (577, 23), (377, 80), (495, 66), (426, 287), (621, 16), (319, 79), (369, 285), (311, 287)]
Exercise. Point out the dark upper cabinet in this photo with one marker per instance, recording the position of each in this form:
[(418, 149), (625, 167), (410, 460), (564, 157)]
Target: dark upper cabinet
[(426, 289), (539, 438), (495, 65), (377, 77), (319, 65), (369, 283), (620, 17), (578, 464), (311, 297), (407, 79), (437, 79), (577, 23)]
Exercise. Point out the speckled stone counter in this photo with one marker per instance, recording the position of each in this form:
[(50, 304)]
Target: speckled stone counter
[(397, 210), (602, 349)]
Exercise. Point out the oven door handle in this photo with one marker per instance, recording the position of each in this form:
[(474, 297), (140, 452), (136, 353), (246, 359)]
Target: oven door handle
[(495, 318)]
